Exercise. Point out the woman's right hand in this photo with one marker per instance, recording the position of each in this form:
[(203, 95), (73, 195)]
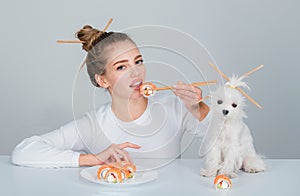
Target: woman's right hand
[(113, 153)]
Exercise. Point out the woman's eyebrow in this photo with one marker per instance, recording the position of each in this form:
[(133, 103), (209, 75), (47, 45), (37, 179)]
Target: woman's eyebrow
[(138, 56), (125, 61), (121, 61)]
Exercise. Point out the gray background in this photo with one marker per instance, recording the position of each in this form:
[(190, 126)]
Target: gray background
[(37, 75)]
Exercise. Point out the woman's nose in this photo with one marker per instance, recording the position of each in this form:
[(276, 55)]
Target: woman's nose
[(134, 71)]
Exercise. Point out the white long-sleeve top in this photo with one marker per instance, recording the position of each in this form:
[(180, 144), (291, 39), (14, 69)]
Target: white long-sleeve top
[(158, 131)]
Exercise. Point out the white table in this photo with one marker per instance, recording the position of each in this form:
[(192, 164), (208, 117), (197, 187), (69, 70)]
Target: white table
[(178, 178)]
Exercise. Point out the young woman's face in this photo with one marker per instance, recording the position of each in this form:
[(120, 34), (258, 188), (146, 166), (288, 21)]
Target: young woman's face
[(125, 71)]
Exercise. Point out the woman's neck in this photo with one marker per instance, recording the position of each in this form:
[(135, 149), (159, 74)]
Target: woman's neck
[(129, 109)]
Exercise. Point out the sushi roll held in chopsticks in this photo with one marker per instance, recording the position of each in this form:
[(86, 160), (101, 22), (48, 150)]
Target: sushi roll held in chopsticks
[(222, 182), (147, 89)]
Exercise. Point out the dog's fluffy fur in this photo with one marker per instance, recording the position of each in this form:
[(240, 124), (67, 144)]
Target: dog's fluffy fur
[(229, 143)]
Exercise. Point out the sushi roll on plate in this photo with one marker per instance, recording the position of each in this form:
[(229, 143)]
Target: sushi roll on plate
[(114, 175)]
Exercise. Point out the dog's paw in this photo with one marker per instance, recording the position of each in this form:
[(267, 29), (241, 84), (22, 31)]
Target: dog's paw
[(255, 169), (254, 166), (208, 173)]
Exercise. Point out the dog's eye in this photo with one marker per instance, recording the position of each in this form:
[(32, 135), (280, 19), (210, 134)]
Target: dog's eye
[(234, 105), (219, 102)]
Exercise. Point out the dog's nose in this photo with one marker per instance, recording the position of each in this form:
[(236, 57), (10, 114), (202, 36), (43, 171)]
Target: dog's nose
[(225, 112)]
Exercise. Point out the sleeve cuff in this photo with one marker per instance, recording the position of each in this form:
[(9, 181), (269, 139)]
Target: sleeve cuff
[(75, 159)]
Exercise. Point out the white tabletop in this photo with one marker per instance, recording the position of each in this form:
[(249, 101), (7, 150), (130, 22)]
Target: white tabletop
[(178, 178)]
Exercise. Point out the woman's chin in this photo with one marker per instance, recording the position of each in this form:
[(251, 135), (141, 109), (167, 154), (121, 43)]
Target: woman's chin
[(136, 95)]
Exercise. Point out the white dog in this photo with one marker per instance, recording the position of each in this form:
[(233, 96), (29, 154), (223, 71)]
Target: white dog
[(229, 143)]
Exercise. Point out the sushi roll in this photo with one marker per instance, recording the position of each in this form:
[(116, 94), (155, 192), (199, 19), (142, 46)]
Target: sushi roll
[(222, 182), (129, 168), (116, 172), (125, 174), (103, 170), (113, 175), (147, 89)]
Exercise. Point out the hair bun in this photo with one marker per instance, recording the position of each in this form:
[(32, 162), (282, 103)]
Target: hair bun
[(88, 35)]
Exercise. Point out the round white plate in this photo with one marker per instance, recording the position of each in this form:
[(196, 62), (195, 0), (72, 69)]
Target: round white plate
[(90, 174)]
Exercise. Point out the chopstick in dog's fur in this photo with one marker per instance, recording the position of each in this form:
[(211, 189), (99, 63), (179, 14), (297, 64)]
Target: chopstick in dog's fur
[(237, 88)]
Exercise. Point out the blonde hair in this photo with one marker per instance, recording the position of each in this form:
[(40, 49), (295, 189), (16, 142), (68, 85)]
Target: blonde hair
[(95, 42)]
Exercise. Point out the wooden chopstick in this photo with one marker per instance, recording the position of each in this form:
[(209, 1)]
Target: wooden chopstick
[(249, 98), (69, 41), (253, 70), (109, 22), (193, 84), (200, 100)]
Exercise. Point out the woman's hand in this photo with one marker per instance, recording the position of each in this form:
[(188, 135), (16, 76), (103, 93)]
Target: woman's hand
[(191, 95), (113, 153)]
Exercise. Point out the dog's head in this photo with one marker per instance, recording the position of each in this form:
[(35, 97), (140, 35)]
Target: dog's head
[(227, 102)]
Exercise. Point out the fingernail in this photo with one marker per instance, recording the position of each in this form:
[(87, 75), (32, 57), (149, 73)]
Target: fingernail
[(137, 146)]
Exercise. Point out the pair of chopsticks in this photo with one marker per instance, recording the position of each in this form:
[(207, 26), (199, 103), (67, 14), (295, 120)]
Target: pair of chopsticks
[(78, 41), (81, 42), (238, 88), (192, 84)]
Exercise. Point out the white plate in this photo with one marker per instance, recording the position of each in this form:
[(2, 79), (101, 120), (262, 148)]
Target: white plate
[(90, 174)]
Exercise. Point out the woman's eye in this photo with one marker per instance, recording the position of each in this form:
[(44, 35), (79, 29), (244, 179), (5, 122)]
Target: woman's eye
[(234, 105), (121, 67), (139, 62), (219, 102)]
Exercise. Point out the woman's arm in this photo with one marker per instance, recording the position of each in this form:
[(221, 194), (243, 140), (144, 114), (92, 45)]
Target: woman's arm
[(55, 149), (191, 95), (61, 147)]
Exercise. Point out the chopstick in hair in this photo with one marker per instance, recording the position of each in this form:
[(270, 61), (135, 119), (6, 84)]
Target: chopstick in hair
[(78, 41)]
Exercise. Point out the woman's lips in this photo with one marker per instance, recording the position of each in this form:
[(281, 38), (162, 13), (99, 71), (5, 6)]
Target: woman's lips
[(136, 85)]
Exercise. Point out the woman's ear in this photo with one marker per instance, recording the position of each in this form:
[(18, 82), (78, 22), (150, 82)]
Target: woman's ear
[(101, 81)]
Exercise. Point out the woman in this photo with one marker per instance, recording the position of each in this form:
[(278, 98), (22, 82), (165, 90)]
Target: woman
[(147, 128)]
